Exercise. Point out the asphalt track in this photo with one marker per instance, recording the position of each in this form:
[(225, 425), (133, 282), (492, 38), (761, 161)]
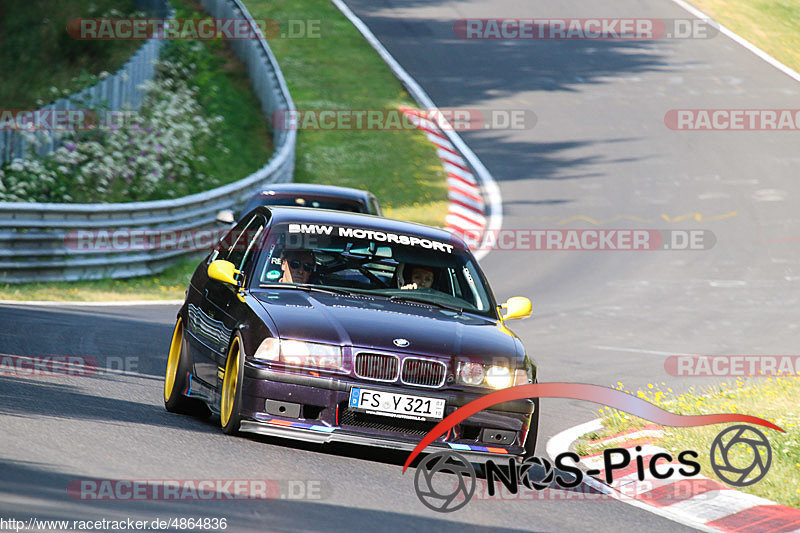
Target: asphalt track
[(599, 153)]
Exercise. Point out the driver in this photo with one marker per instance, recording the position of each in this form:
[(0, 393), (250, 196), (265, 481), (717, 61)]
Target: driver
[(421, 277), (297, 266)]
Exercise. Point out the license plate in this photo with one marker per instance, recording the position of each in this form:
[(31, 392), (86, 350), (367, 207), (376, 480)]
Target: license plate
[(396, 405)]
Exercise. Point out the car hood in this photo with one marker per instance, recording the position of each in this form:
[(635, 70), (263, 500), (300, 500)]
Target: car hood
[(374, 323)]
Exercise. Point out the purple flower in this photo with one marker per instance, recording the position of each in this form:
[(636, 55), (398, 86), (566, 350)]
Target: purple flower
[(71, 147), (149, 129), (159, 147)]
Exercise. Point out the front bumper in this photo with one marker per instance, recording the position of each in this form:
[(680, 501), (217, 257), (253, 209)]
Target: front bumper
[(325, 418)]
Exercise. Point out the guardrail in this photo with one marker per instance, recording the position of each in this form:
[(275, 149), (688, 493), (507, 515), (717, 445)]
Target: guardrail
[(33, 236), (119, 90)]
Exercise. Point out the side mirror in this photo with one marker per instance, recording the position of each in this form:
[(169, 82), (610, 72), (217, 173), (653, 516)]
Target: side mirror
[(223, 271), (517, 307), (225, 217)]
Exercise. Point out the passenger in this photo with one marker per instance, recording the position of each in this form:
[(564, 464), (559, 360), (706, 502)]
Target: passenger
[(297, 266), (421, 277)]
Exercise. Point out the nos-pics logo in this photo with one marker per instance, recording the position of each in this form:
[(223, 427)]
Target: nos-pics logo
[(446, 481)]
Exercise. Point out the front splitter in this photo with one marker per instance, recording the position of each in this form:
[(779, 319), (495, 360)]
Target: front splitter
[(325, 434)]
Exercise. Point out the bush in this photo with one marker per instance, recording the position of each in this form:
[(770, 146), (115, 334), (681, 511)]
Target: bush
[(130, 156)]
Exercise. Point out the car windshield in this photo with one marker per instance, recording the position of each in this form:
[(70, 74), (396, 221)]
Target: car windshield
[(350, 206), (403, 267)]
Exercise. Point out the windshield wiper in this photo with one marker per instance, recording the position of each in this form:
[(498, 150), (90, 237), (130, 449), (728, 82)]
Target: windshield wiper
[(305, 287), (404, 298)]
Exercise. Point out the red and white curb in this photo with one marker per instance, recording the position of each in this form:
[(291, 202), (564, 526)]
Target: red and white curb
[(466, 214), (698, 501)]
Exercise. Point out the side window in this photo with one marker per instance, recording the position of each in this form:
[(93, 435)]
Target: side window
[(225, 244), (256, 231), (244, 240)]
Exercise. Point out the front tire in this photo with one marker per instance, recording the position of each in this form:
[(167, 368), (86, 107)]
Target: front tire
[(231, 394), (178, 368)]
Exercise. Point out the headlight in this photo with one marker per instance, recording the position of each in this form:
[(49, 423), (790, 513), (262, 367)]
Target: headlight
[(268, 350), (498, 377), (494, 376), (470, 373), (309, 355)]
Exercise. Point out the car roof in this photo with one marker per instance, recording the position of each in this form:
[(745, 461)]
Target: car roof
[(343, 218), (314, 188)]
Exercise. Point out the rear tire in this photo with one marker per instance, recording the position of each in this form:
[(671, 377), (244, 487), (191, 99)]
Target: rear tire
[(178, 368), (231, 394)]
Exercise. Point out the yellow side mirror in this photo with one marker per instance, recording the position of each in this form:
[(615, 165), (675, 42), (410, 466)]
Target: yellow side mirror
[(223, 271), (517, 307)]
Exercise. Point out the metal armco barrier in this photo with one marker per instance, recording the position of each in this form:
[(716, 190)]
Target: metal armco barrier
[(33, 243)]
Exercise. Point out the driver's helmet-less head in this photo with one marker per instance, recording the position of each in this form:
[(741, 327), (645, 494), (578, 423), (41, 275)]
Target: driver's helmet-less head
[(422, 275)]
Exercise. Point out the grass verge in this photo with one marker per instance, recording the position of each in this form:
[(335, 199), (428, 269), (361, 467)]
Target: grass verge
[(776, 399), (772, 25), (168, 285)]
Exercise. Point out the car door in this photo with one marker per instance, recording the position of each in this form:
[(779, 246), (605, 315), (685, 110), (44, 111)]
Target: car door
[(221, 302)]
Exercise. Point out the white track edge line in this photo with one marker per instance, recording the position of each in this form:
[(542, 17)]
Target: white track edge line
[(741, 41)]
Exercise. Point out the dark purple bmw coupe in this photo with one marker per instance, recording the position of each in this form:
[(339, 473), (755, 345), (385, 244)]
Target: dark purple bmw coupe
[(328, 326)]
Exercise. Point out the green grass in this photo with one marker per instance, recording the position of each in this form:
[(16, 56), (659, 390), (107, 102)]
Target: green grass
[(772, 25), (774, 399), (36, 53)]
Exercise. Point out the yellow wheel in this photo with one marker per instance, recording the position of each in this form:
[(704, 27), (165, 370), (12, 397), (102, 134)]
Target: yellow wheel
[(173, 361), (178, 367), (231, 389)]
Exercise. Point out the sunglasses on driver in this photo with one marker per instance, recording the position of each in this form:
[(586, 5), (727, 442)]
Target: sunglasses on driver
[(295, 264)]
